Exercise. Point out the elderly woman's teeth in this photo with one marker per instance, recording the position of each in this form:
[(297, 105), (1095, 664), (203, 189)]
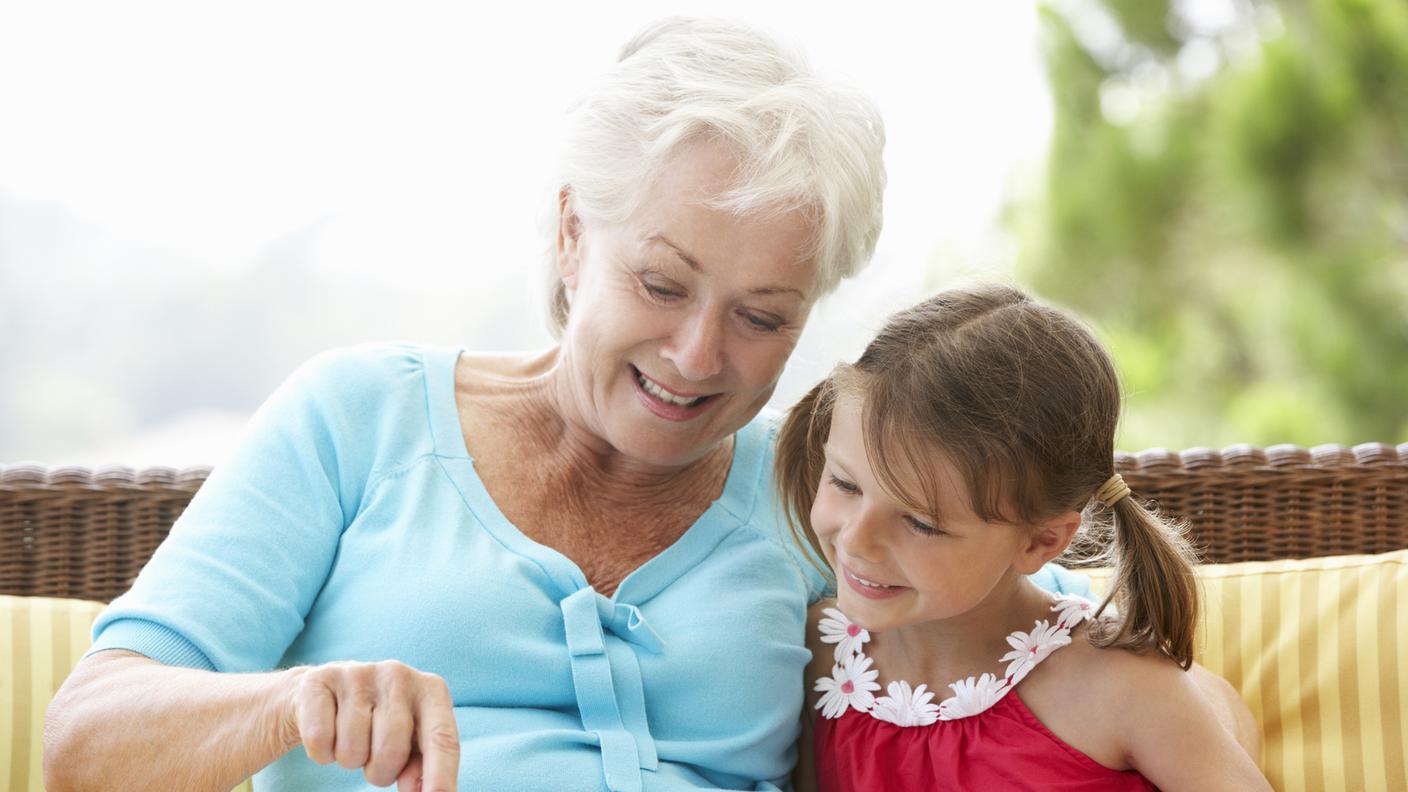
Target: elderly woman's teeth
[(664, 395)]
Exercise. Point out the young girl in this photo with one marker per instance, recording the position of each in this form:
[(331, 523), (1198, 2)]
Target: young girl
[(961, 453)]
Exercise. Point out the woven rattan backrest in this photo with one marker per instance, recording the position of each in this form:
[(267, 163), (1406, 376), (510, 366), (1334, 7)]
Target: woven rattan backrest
[(73, 532), (1252, 504)]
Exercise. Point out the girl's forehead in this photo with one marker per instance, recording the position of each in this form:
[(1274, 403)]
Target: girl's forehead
[(915, 470)]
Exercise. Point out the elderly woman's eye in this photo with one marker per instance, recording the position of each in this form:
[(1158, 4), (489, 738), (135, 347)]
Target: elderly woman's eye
[(661, 293), (763, 321)]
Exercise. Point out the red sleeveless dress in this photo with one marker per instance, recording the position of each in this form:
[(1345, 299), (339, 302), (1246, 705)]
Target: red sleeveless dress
[(981, 738)]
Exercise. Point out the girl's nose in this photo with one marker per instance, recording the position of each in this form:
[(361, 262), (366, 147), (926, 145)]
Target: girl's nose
[(862, 537)]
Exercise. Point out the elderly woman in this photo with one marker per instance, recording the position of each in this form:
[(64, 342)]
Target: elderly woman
[(557, 571)]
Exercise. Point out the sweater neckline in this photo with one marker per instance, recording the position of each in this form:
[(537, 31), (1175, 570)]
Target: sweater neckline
[(726, 513)]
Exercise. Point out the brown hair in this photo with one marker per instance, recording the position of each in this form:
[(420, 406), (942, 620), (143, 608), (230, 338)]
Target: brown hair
[(1024, 401)]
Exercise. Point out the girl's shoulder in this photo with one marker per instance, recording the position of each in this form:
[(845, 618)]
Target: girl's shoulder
[(1090, 696), (1141, 710), (1102, 675)]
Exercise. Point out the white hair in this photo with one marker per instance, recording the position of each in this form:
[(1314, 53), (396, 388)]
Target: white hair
[(802, 144)]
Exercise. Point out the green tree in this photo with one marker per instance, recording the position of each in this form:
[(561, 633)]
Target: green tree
[(1227, 200)]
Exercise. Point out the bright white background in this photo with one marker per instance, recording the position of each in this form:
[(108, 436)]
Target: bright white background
[(196, 196)]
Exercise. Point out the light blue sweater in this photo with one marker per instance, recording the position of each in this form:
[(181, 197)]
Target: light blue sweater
[(351, 525)]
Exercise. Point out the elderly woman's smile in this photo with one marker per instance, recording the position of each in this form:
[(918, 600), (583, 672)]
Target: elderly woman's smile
[(670, 404)]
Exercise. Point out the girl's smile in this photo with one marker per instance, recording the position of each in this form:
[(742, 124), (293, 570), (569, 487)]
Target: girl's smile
[(868, 588)]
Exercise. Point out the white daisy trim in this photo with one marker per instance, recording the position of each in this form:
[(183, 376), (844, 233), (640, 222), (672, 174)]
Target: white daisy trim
[(1072, 609), (905, 706), (1031, 648), (852, 679), (851, 685), (972, 696), (848, 636)]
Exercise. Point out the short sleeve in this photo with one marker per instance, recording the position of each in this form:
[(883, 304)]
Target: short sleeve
[(808, 563), (229, 587)]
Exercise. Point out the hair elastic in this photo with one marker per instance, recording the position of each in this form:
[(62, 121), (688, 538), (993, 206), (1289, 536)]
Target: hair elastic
[(1112, 491)]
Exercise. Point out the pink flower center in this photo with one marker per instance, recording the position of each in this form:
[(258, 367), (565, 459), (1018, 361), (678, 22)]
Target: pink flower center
[(852, 630), (1031, 650), (847, 687)]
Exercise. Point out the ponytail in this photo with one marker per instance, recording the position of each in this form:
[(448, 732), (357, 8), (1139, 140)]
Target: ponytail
[(1153, 588), (799, 460)]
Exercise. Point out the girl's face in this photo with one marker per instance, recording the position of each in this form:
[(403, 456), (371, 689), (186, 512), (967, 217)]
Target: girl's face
[(895, 567)]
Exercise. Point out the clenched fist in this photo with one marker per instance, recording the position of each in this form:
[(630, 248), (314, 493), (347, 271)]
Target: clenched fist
[(394, 722)]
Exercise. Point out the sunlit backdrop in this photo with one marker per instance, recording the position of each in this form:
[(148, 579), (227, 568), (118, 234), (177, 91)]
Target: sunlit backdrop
[(195, 197)]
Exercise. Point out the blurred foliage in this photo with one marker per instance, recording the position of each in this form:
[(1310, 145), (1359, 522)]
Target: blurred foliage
[(1226, 199)]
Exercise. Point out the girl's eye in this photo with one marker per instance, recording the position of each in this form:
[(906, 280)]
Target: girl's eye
[(843, 485), (921, 527)]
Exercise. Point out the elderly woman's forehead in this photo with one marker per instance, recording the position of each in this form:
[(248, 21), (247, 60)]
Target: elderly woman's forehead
[(680, 216), (706, 173), (699, 170)]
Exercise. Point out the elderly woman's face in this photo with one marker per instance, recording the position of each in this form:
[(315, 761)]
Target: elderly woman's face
[(681, 318)]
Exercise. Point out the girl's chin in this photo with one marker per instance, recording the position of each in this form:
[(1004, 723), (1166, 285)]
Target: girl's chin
[(868, 613)]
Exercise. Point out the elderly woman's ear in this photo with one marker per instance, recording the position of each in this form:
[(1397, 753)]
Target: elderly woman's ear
[(569, 232)]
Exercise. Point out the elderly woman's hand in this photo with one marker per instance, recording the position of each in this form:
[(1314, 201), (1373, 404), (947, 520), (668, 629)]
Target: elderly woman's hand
[(394, 722)]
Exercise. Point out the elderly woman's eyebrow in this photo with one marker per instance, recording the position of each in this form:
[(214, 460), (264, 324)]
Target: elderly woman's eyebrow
[(685, 257), (694, 265)]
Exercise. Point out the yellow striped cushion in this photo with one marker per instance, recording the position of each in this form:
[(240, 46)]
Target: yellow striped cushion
[(41, 640), (1318, 648)]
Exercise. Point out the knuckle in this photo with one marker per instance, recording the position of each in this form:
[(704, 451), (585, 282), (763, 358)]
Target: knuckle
[(314, 680), (392, 670), (394, 677), (437, 686), (359, 673), (444, 738)]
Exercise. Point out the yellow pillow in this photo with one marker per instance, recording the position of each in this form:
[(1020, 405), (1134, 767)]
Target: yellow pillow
[(41, 639), (1318, 648)]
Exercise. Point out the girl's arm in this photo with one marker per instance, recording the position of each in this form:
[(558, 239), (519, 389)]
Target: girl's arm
[(804, 776), (1175, 737)]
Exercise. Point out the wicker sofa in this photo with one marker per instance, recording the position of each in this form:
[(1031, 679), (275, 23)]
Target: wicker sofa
[(1298, 544)]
